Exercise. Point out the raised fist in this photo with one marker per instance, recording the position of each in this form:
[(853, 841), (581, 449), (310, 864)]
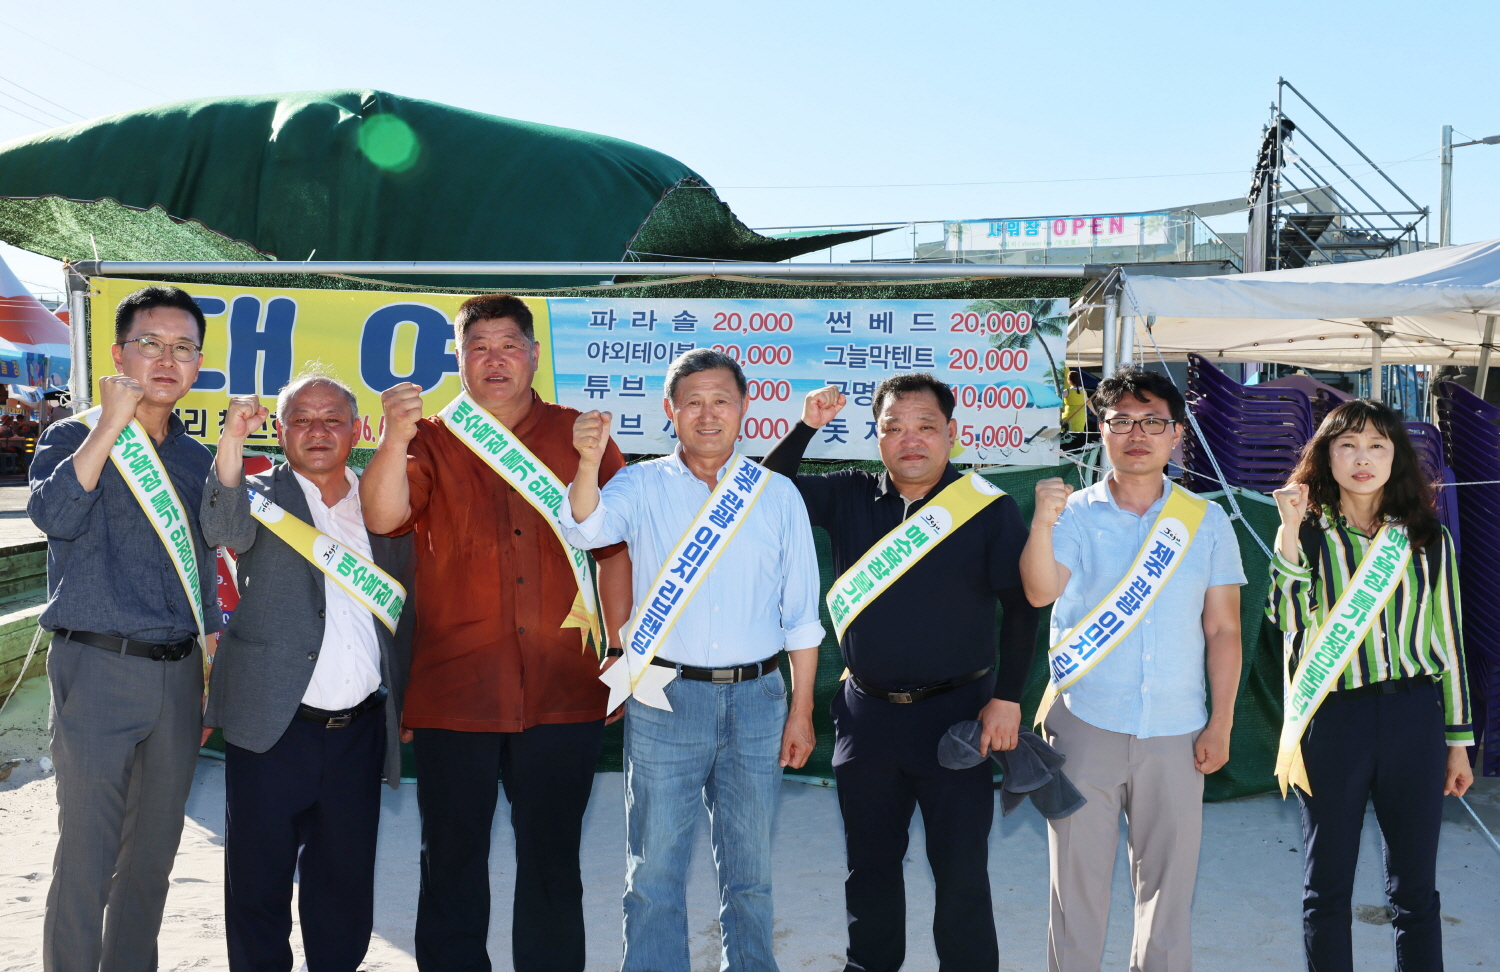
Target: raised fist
[(402, 405), (591, 436), (1292, 503), (822, 406), (243, 418), (118, 397), (1051, 496)]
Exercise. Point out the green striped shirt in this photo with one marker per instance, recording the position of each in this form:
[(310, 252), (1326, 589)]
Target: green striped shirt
[(1418, 632)]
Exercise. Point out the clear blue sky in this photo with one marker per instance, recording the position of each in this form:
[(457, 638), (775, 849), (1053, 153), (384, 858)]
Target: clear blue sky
[(874, 93)]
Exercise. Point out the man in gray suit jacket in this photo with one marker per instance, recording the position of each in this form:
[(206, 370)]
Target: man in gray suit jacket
[(307, 687)]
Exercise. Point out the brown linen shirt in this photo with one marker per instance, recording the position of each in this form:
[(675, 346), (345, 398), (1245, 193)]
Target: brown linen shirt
[(492, 586)]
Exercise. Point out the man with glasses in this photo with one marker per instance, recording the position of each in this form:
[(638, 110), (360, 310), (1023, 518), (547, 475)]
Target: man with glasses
[(130, 589), (1145, 577)]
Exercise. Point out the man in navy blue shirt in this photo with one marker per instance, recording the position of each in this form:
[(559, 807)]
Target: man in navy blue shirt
[(125, 665), (921, 656)]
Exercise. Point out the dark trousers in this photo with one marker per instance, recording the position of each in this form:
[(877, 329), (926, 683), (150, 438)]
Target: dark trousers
[(1390, 749), (885, 764), (548, 773), (309, 806)]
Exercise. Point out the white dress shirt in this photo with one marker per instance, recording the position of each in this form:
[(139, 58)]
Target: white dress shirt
[(762, 593), (348, 667)]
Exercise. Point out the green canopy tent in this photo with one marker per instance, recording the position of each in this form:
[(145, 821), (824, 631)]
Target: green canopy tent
[(361, 175)]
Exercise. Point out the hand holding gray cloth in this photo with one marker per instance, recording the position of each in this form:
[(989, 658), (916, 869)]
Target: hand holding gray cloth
[(1032, 769)]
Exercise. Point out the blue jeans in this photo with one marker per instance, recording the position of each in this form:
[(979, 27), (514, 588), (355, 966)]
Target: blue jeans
[(721, 743)]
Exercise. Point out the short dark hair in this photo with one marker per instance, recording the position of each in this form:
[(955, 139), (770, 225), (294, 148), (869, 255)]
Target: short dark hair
[(1137, 381), (917, 381), (702, 359), (149, 298), (492, 307)]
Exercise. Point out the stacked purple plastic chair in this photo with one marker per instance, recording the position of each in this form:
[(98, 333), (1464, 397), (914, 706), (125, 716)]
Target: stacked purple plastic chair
[(1427, 440), (1255, 432), (1471, 432)]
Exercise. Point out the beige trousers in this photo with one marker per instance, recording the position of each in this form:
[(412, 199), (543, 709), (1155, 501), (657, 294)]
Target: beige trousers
[(1156, 784)]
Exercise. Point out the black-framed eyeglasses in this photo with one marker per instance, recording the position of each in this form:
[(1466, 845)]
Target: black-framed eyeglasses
[(1120, 425), (152, 348)]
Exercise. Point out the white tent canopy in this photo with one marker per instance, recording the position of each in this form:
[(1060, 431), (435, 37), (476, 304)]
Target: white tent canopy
[(1423, 308)]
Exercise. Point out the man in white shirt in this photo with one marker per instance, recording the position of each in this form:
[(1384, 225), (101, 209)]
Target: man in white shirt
[(306, 685), (729, 729)]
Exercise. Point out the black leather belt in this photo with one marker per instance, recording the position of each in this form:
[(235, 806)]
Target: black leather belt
[(156, 651), (1388, 687), (723, 676), (343, 717), (918, 694)]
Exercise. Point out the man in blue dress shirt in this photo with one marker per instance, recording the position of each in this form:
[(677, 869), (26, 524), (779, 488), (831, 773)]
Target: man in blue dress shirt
[(1135, 729), (730, 729), (125, 667)]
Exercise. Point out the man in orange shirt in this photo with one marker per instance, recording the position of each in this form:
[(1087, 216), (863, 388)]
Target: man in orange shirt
[(498, 690)]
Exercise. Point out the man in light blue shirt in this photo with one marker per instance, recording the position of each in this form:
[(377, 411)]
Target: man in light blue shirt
[(1135, 729), (730, 729)]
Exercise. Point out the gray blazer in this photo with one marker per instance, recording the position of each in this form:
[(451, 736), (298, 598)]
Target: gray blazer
[(268, 652)]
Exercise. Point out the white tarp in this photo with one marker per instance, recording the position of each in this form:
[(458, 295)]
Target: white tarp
[(1430, 306)]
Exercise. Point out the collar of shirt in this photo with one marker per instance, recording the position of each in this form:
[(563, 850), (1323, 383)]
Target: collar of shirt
[(678, 466), (1101, 493), (176, 428), (1330, 519), (344, 520), (886, 489)]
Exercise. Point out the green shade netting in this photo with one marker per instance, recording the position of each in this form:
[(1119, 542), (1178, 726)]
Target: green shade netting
[(359, 175)]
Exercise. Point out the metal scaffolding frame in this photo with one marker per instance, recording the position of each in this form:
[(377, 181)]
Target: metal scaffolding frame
[(1342, 219)]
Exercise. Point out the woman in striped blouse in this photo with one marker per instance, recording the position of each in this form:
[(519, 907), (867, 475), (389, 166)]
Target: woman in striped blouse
[(1394, 726)]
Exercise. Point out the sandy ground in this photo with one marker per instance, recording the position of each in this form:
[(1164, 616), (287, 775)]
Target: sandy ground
[(1246, 912)]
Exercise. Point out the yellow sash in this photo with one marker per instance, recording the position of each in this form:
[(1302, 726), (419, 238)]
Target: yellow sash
[(378, 591), (1103, 629), (895, 553), (1328, 652), (134, 455), (503, 451), (681, 573)]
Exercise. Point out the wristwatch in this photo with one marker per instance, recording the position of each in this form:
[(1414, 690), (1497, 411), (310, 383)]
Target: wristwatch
[(613, 652)]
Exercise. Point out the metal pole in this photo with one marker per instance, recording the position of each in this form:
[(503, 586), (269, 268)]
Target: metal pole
[(1445, 195), (1377, 393), (677, 268), (1127, 341), (1482, 376), (1111, 334), (79, 390)]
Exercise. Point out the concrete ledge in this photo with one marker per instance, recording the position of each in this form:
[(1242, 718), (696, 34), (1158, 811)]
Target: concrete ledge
[(17, 628), (23, 568)]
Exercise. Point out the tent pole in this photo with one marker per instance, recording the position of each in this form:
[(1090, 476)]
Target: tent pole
[(1111, 334), (1377, 393), (79, 391), (1111, 353), (1482, 376)]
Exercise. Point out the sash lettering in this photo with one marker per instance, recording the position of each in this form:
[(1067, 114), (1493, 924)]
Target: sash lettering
[(378, 591), (1329, 650), (678, 580), (134, 455), (894, 554), (503, 451), (1103, 629)]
